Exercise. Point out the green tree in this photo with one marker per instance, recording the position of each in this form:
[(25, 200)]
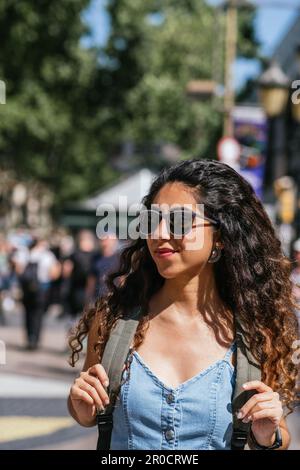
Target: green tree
[(50, 126), (155, 48), (68, 106)]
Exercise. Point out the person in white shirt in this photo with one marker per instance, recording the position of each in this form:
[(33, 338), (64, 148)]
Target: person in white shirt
[(36, 276)]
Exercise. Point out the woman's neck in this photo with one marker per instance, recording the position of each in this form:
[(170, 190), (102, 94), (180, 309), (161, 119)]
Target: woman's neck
[(188, 295), (187, 299)]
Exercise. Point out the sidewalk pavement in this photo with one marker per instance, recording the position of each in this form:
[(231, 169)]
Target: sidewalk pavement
[(34, 387)]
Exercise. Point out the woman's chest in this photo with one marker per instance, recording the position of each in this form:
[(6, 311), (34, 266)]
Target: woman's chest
[(178, 355)]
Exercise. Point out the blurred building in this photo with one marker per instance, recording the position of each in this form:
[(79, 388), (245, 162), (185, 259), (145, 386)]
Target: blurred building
[(272, 93), (284, 53), (126, 193)]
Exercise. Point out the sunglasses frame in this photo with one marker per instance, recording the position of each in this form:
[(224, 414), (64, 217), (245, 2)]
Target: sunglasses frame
[(167, 214)]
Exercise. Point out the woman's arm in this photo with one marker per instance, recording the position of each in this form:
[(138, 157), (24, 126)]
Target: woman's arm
[(286, 438), (89, 389)]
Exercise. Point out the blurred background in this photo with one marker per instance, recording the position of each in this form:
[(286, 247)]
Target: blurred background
[(96, 96)]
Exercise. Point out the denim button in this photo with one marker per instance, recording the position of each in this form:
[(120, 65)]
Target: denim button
[(169, 434), (170, 398)]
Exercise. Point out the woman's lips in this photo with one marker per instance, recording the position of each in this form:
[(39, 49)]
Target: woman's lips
[(164, 253)]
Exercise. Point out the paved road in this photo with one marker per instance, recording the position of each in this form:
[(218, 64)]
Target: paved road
[(33, 392)]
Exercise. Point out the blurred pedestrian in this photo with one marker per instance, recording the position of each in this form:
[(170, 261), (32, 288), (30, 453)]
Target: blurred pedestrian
[(66, 248), (103, 263), (35, 277), (76, 269), (4, 274)]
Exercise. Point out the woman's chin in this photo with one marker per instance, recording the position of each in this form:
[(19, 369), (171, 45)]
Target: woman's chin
[(168, 273)]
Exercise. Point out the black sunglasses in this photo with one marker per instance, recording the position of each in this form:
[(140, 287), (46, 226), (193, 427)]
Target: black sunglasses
[(180, 221)]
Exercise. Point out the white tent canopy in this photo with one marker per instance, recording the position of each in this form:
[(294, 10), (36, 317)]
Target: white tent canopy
[(132, 189)]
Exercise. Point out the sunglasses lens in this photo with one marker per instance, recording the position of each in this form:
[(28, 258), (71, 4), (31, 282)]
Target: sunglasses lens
[(181, 222), (148, 221)]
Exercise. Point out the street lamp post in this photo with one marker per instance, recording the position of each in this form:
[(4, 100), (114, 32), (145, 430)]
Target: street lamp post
[(231, 41), (274, 93), (231, 46)]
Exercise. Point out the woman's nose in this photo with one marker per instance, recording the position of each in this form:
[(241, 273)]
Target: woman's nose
[(162, 230)]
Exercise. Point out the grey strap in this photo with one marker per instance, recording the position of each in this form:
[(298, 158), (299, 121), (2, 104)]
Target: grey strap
[(116, 350), (114, 357), (247, 370)]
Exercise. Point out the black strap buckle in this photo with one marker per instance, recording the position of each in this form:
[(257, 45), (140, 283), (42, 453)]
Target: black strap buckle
[(105, 426), (239, 439), (104, 419)]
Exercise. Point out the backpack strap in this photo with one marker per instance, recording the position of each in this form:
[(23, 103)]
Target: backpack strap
[(114, 357), (247, 369)]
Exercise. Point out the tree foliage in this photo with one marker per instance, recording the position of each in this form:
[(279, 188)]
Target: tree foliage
[(48, 127), (68, 106), (155, 48)]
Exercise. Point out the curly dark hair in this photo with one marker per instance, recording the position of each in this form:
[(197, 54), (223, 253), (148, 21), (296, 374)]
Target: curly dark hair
[(252, 276)]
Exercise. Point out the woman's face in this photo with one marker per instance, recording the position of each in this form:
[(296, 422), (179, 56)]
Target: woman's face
[(191, 251)]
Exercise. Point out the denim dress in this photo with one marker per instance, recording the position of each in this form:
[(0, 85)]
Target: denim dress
[(195, 415)]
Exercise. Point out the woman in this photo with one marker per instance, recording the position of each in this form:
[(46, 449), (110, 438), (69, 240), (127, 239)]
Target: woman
[(180, 375)]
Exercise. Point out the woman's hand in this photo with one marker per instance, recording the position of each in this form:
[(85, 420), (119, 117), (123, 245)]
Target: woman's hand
[(265, 411), (88, 393)]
